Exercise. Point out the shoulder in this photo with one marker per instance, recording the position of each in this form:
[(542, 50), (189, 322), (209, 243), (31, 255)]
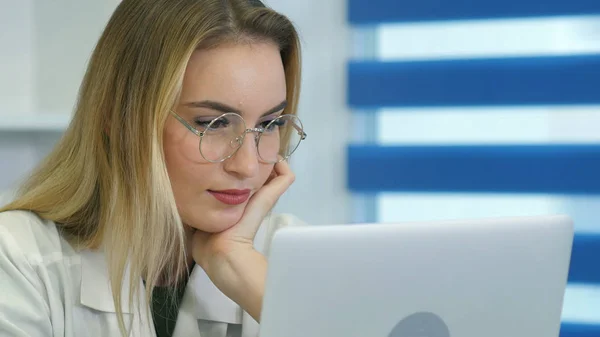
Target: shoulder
[(28, 234), (272, 224), (31, 252)]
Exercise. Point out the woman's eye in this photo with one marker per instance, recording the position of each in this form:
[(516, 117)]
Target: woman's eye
[(217, 124), (272, 124), (202, 124)]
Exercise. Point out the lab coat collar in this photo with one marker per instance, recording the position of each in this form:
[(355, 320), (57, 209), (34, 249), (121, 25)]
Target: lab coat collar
[(96, 291), (209, 302)]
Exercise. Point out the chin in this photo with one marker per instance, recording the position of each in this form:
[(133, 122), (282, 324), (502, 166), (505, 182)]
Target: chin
[(218, 220)]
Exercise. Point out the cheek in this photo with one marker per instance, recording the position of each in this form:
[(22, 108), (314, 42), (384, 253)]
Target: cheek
[(183, 160), (181, 145), (266, 173)]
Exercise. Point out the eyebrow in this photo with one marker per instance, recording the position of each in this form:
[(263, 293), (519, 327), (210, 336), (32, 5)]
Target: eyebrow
[(224, 108)]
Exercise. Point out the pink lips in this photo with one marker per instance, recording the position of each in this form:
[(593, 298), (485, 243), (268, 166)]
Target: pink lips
[(231, 197)]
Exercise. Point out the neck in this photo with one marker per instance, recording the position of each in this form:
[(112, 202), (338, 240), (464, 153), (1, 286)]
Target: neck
[(189, 236)]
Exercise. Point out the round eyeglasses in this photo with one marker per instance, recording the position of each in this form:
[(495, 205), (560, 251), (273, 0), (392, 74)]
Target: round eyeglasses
[(221, 137)]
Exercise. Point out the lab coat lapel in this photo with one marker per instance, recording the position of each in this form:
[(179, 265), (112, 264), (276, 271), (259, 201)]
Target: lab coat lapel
[(96, 293)]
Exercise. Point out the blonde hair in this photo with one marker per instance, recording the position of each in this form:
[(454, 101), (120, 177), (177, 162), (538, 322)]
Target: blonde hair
[(106, 183)]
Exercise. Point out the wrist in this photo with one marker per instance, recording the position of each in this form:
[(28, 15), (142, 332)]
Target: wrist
[(241, 275)]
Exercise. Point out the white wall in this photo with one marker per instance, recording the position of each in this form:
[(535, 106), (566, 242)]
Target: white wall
[(51, 41), (319, 195), (16, 86), (66, 32), (16, 58), (45, 46)]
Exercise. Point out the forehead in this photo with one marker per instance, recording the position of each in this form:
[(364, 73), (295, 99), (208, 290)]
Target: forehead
[(247, 76)]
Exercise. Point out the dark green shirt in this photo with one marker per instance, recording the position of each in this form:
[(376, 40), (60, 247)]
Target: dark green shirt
[(165, 307)]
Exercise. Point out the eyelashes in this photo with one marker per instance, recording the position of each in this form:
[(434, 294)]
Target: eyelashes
[(224, 122), (219, 123)]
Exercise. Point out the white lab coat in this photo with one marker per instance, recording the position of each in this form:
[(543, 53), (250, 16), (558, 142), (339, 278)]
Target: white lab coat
[(49, 289)]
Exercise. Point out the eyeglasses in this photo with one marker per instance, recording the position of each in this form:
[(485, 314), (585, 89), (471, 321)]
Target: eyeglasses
[(222, 137)]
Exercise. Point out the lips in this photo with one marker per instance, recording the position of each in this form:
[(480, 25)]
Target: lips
[(231, 197)]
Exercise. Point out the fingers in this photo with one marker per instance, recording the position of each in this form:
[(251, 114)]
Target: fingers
[(272, 176), (282, 180), (264, 200), (245, 230), (284, 171)]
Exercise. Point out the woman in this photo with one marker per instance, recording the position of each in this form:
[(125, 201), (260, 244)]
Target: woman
[(144, 219)]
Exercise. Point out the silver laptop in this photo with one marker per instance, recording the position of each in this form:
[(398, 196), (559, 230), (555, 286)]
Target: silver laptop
[(465, 278)]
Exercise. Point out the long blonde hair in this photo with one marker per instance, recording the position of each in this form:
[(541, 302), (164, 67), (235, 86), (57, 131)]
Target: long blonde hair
[(106, 183)]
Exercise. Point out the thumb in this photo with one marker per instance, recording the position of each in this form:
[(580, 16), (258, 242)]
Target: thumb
[(265, 199)]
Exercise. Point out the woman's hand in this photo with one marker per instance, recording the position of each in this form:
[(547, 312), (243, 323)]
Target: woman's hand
[(229, 257)]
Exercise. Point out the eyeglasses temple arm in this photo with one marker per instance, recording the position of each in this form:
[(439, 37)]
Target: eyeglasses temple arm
[(300, 131), (187, 125)]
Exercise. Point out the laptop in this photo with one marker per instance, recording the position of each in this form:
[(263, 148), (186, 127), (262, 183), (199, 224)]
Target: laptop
[(465, 278)]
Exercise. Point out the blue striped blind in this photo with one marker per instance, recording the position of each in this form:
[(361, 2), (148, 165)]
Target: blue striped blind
[(479, 82), (410, 85), (382, 11)]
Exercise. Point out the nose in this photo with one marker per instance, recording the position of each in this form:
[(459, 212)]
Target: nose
[(245, 162)]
